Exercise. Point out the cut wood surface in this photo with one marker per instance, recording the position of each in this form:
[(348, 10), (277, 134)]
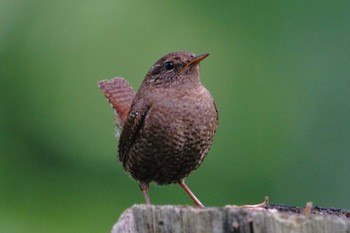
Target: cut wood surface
[(272, 219)]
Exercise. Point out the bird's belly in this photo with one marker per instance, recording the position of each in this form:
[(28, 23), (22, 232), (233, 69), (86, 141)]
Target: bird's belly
[(168, 148)]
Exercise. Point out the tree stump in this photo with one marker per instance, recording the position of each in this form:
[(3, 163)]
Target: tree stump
[(272, 219)]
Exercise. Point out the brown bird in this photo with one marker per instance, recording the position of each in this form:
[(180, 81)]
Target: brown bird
[(168, 126)]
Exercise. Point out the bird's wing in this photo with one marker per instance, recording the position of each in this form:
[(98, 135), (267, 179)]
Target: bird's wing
[(132, 127)]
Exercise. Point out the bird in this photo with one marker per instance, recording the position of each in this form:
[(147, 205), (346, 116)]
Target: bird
[(167, 127)]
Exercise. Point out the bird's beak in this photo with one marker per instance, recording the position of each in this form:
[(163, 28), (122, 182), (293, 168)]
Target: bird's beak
[(194, 61), (197, 59)]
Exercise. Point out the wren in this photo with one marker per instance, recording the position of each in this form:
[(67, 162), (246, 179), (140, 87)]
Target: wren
[(167, 127)]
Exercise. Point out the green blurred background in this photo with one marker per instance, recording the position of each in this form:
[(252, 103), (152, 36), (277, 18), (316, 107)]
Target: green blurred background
[(279, 72)]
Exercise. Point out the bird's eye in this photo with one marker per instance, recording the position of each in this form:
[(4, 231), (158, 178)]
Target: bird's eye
[(169, 65)]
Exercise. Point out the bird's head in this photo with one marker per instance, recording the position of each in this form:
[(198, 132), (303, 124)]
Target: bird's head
[(175, 69)]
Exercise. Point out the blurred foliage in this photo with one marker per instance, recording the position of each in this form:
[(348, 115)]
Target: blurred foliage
[(279, 72)]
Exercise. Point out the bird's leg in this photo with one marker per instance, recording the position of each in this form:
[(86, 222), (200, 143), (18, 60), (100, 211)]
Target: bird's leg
[(144, 188), (189, 192)]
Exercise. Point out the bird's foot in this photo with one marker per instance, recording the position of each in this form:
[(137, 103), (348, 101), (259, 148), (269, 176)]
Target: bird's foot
[(261, 205)]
